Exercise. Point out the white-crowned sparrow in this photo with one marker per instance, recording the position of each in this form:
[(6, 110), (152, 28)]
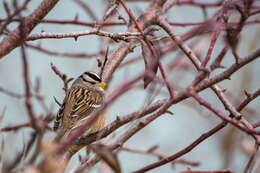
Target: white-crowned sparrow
[(84, 96)]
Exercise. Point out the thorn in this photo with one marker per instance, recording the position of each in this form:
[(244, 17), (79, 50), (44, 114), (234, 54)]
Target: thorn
[(169, 112), (226, 108), (218, 18), (2, 113), (206, 70), (153, 148), (80, 158), (57, 101), (228, 78), (247, 94), (231, 116), (131, 49), (238, 117), (64, 76), (99, 62), (118, 118), (223, 90), (120, 18), (104, 63), (152, 30), (69, 80), (142, 122), (76, 17), (130, 22), (221, 66), (238, 60), (76, 38)]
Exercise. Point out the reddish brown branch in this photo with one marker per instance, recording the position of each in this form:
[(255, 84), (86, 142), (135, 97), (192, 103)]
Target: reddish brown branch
[(160, 155), (189, 2), (62, 76), (256, 125), (28, 94), (180, 97), (19, 126), (251, 158), (56, 53), (220, 126), (221, 115), (212, 44), (120, 122), (137, 33), (10, 15), (87, 9), (185, 150), (14, 39), (118, 23), (15, 127), (215, 171), (10, 93), (170, 89), (249, 98)]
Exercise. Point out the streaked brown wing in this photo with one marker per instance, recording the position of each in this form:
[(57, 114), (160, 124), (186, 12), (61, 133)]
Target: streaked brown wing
[(80, 103), (84, 101)]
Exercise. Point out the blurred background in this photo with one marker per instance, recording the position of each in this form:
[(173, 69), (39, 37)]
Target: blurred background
[(229, 148)]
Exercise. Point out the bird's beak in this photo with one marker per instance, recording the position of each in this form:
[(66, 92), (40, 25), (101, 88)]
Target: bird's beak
[(102, 84)]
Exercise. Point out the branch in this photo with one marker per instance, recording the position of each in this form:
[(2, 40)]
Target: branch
[(185, 150), (55, 53), (28, 94), (215, 171), (62, 76), (209, 133), (251, 158), (144, 21), (10, 16), (14, 39), (10, 93), (75, 35), (155, 56), (179, 97), (119, 122), (151, 151), (15, 127), (221, 115)]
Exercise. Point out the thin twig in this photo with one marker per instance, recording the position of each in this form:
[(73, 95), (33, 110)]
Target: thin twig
[(185, 150), (14, 39), (170, 89), (251, 158)]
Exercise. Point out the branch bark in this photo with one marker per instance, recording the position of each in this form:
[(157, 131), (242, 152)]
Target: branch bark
[(14, 39)]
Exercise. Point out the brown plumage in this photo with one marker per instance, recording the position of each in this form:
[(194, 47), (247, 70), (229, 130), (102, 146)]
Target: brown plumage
[(84, 96)]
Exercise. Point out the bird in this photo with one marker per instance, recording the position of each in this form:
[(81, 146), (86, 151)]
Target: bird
[(84, 96)]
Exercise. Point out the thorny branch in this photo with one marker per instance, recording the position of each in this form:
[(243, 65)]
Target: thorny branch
[(225, 26)]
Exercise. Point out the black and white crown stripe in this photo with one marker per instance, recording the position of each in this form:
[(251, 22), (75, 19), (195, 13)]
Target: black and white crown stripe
[(93, 76)]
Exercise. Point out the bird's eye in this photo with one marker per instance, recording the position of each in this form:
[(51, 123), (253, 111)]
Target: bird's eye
[(93, 83)]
